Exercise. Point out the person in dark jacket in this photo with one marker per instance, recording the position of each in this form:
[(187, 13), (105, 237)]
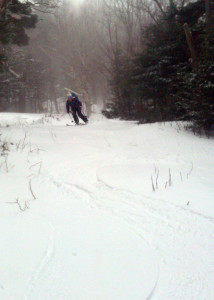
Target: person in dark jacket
[(74, 104)]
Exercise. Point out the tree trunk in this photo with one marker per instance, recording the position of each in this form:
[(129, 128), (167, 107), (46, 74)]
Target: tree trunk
[(56, 104), (22, 100), (191, 45), (207, 9)]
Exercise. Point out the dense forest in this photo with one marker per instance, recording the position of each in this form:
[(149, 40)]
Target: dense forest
[(141, 60)]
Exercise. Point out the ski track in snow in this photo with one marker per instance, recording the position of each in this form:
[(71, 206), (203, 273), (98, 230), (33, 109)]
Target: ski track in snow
[(161, 219), (142, 196), (44, 261), (180, 238), (82, 194)]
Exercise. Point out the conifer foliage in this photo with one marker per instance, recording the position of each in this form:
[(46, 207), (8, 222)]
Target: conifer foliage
[(163, 82), (15, 17)]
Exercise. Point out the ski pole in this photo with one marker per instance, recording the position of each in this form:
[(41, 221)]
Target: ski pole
[(72, 120)]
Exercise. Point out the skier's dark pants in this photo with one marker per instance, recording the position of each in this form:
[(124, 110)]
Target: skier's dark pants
[(77, 111)]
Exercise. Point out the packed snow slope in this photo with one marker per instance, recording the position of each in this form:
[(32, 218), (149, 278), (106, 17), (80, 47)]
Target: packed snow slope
[(108, 211)]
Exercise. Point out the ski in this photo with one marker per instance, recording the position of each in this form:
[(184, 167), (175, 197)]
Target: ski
[(76, 124)]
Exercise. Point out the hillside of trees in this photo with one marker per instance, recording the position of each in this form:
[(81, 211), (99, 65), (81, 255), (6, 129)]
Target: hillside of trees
[(171, 78), (56, 46), (142, 60)]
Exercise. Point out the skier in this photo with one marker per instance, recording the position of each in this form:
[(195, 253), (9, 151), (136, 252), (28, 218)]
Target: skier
[(76, 106)]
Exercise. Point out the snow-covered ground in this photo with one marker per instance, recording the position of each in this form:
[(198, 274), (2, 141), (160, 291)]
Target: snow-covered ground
[(108, 211)]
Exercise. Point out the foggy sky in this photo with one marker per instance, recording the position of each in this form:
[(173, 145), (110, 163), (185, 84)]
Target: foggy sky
[(77, 2)]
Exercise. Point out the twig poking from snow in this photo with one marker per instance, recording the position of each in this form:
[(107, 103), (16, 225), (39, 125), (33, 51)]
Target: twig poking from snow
[(39, 163), (53, 135), (181, 176), (36, 149), (40, 168), (35, 165), (157, 179), (153, 187), (6, 165), (17, 145), (31, 175), (170, 178), (23, 143), (190, 171), (169, 182), (19, 205), (30, 187)]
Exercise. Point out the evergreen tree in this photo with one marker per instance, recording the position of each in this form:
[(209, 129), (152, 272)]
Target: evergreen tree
[(162, 83), (15, 17)]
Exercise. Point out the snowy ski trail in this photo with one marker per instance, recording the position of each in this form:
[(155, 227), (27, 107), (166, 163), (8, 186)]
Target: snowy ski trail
[(104, 233)]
